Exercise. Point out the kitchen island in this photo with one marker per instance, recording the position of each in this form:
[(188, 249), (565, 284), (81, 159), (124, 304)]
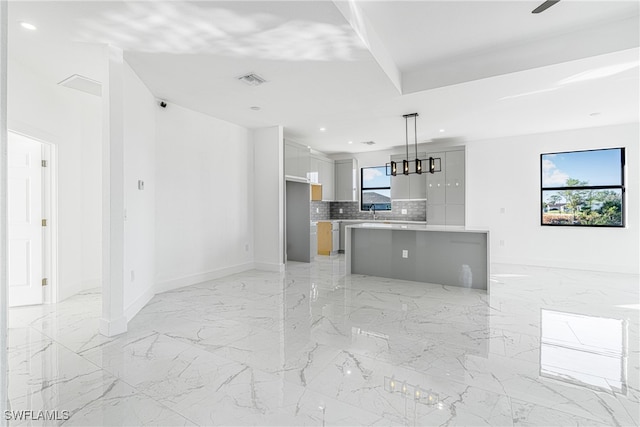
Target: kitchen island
[(445, 255)]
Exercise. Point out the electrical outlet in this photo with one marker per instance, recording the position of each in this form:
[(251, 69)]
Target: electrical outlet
[(341, 210), (317, 210), (403, 211), (405, 253), (140, 184)]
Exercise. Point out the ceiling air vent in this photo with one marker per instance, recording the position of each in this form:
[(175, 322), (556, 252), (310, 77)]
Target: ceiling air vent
[(368, 142), (252, 79), (84, 84)]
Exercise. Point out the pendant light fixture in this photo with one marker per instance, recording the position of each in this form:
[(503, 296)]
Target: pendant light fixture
[(394, 168), (418, 162), (405, 162)]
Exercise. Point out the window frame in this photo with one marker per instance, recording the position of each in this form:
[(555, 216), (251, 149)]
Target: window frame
[(363, 188), (621, 187)]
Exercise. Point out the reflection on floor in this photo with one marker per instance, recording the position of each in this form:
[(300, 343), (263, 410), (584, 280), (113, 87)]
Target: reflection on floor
[(313, 347)]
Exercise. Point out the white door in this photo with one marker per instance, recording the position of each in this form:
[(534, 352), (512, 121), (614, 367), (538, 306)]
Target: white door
[(25, 220)]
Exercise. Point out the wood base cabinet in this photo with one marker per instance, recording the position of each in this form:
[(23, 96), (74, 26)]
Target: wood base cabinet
[(325, 241), (328, 238)]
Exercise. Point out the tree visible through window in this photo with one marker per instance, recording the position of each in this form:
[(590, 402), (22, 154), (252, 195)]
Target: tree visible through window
[(583, 188), (375, 190)]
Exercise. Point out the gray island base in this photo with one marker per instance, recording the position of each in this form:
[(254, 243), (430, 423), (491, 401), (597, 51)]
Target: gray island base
[(444, 255)]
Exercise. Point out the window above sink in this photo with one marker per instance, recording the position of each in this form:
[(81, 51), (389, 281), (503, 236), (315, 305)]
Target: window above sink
[(375, 189)]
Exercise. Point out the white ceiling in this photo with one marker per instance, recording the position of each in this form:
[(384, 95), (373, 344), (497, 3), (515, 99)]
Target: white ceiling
[(477, 69), (436, 31)]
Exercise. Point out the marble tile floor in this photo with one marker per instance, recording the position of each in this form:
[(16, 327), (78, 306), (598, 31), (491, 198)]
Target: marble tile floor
[(546, 347)]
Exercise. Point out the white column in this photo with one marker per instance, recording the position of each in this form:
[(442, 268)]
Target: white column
[(4, 397), (268, 203), (113, 320)]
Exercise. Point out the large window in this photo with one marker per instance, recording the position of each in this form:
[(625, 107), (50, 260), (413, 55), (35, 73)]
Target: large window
[(583, 188), (375, 188)]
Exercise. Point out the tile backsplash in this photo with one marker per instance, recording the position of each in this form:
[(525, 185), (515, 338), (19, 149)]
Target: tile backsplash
[(416, 211), (320, 211)]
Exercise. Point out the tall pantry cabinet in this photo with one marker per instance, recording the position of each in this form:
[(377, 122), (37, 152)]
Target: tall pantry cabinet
[(446, 189)]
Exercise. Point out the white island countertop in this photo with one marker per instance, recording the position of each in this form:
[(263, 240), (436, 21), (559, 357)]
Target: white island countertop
[(380, 221), (418, 227)]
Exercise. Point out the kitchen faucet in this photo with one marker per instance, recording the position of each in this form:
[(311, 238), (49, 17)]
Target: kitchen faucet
[(372, 211)]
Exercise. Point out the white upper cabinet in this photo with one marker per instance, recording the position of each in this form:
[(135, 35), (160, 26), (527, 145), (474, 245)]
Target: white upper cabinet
[(346, 183), (327, 179), (436, 183), (296, 160), (455, 177), (314, 170), (321, 171)]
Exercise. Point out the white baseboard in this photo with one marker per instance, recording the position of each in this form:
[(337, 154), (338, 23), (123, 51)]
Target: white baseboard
[(625, 269), (193, 279), (111, 328), (269, 266), (138, 304)]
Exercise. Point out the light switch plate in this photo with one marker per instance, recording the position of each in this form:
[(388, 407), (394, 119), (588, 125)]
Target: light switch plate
[(404, 211), (140, 184)]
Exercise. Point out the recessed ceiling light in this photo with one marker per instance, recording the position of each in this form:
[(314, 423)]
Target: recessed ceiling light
[(28, 26), (441, 130), (595, 114), (255, 108), (350, 142), (323, 129)]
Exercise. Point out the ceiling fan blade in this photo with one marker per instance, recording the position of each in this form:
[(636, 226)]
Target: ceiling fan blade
[(544, 6)]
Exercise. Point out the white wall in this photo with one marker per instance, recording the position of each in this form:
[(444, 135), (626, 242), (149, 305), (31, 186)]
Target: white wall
[(139, 164), (505, 173), (204, 198), (71, 120), (268, 164), (4, 385), (113, 320)]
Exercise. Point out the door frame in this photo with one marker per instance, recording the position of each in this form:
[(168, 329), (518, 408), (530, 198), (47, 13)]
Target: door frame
[(50, 212)]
